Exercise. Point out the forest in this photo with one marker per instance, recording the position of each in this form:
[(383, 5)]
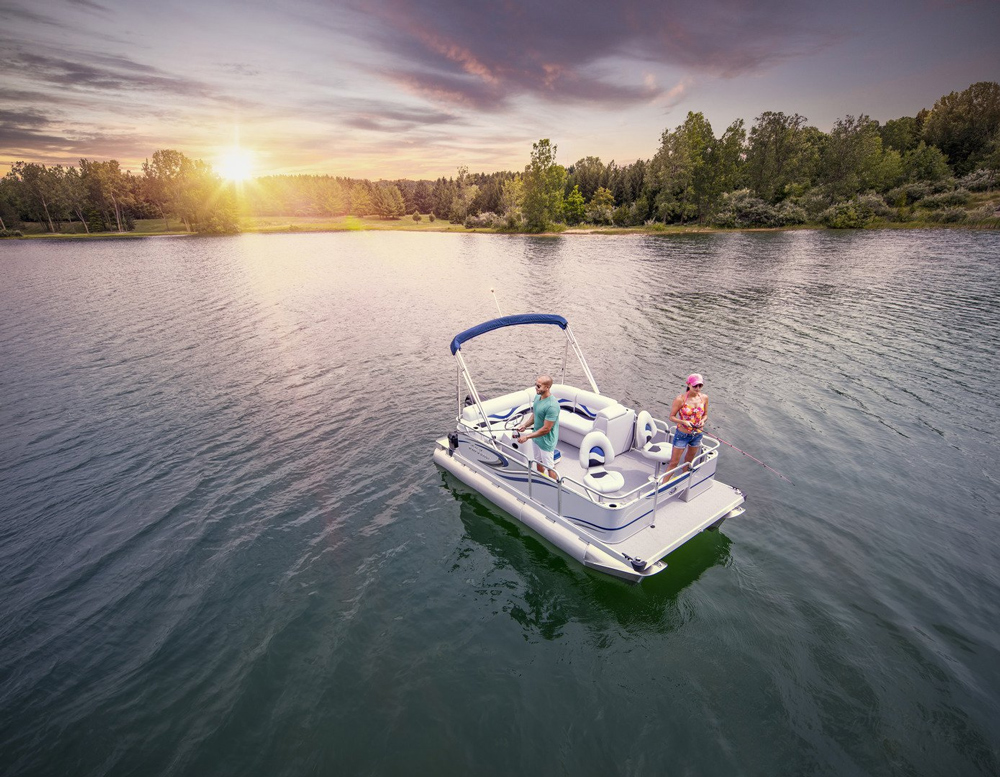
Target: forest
[(940, 166)]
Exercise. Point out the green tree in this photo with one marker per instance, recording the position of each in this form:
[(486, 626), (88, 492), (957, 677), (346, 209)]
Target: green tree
[(668, 177), (39, 190), (108, 189), (901, 134), (201, 199), (465, 193), (543, 187), (75, 194), (627, 183), (601, 208), (925, 163), (512, 201), (574, 207), (362, 199), (781, 155), (443, 194), (727, 160), (854, 161), (162, 181), (8, 203), (490, 194), (991, 158), (962, 124), (388, 201), (422, 199), (331, 199), (588, 173), (682, 172)]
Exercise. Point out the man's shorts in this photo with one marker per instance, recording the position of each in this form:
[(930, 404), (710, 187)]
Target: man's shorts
[(687, 440), (543, 457)]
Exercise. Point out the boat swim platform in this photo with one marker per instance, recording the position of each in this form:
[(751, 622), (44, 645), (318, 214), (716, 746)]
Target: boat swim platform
[(677, 522)]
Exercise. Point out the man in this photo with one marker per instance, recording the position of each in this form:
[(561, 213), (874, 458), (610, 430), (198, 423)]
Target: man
[(544, 420)]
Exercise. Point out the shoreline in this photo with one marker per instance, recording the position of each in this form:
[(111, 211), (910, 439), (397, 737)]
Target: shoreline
[(660, 230)]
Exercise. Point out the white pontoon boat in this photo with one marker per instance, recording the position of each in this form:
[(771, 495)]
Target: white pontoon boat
[(614, 508)]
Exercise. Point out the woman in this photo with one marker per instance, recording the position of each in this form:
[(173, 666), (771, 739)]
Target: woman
[(689, 412)]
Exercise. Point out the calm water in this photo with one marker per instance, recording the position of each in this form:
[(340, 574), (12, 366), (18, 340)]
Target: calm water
[(224, 549)]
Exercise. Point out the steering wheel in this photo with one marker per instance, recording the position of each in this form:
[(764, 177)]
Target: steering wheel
[(514, 421)]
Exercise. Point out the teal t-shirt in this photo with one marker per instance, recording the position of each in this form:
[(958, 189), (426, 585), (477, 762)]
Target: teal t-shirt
[(546, 410)]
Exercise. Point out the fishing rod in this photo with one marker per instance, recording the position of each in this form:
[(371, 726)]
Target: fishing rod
[(496, 301), (753, 458), (740, 450)]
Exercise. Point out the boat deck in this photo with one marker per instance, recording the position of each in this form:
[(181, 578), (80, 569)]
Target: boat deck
[(677, 522), (637, 470)]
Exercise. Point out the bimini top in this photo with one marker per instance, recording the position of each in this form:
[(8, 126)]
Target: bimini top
[(499, 323)]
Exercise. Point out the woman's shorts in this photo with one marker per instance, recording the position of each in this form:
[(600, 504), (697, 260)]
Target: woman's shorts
[(687, 440)]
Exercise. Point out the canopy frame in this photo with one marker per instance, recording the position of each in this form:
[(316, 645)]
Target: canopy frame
[(515, 320)]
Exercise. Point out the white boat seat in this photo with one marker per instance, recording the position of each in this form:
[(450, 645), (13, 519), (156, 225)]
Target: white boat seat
[(595, 453), (645, 431), (583, 411), (501, 409), (573, 428)]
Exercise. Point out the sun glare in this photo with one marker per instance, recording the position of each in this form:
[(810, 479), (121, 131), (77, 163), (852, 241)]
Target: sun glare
[(235, 164)]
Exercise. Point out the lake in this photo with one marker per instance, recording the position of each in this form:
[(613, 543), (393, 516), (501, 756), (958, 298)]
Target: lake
[(224, 548)]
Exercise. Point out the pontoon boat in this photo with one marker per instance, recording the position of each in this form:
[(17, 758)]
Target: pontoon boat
[(614, 507)]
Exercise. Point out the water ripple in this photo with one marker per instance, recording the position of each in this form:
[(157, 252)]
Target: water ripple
[(223, 547)]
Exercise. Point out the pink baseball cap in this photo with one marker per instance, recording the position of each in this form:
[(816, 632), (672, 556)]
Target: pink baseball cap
[(695, 379)]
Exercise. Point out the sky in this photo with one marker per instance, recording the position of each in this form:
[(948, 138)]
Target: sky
[(418, 88)]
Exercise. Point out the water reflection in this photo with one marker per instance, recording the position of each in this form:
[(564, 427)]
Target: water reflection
[(545, 591)]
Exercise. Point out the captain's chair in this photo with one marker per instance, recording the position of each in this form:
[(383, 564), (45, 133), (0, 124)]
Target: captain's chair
[(595, 453), (645, 431)]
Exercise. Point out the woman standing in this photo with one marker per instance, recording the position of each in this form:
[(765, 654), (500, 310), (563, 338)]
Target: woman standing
[(689, 412)]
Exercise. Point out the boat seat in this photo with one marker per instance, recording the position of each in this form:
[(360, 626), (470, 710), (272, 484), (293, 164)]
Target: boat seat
[(645, 431), (584, 411), (595, 453), (616, 421), (502, 408), (573, 428)]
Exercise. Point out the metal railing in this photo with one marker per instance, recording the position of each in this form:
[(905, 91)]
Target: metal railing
[(486, 436)]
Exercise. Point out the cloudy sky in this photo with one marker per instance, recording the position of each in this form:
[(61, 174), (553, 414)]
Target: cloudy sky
[(416, 88)]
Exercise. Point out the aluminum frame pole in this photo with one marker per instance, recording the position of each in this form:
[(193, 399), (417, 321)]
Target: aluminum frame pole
[(475, 397), (583, 361)]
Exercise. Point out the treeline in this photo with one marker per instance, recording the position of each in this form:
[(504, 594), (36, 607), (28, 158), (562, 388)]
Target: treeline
[(313, 195), (778, 172), (101, 197)]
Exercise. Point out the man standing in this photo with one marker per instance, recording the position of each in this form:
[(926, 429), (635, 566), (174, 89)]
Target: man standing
[(544, 421)]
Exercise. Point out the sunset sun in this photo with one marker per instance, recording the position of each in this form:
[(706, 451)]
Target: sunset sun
[(235, 164)]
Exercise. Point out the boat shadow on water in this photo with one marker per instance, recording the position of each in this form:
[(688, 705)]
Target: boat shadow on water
[(544, 590)]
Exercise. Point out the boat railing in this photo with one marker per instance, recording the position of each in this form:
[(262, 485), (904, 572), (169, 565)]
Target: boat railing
[(659, 482), (658, 479)]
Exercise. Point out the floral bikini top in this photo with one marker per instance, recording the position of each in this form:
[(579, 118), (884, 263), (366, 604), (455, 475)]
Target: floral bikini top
[(692, 415)]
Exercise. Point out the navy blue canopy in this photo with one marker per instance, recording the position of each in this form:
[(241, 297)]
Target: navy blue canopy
[(499, 323)]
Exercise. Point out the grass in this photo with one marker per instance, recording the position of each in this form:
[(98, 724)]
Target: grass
[(279, 224), (266, 224), (344, 224)]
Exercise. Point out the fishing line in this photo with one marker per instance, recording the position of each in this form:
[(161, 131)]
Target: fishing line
[(740, 450), (752, 458), (497, 302)]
